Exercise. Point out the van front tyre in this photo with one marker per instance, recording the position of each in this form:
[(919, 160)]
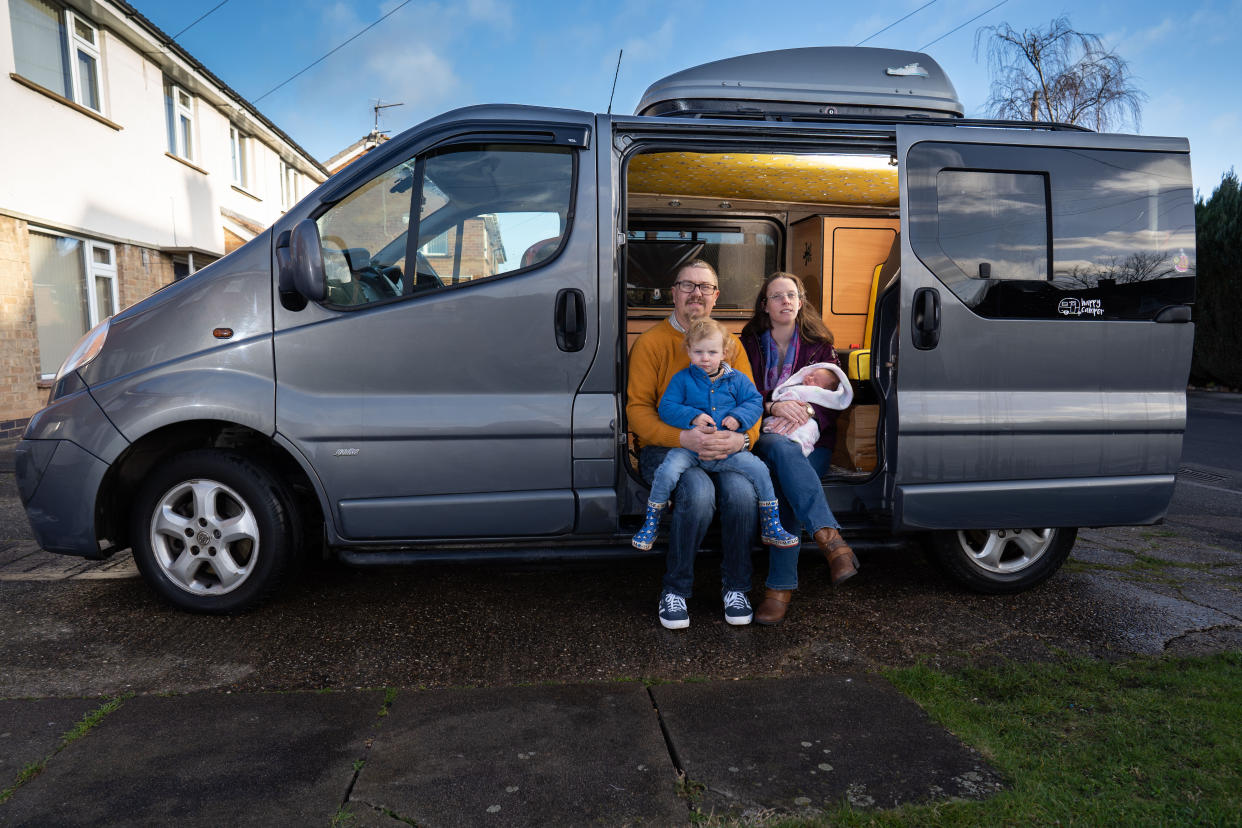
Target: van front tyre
[(1001, 561), (213, 531)]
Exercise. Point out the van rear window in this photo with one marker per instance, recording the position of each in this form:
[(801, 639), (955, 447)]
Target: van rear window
[(1073, 234), (743, 252)]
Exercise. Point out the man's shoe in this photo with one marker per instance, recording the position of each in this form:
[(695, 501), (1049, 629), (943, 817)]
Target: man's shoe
[(737, 608), (842, 562), (673, 614), (775, 604)]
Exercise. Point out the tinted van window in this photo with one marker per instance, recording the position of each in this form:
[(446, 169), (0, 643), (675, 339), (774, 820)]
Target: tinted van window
[(485, 212), (743, 252), (1117, 226), (363, 239), (993, 225), (488, 211)]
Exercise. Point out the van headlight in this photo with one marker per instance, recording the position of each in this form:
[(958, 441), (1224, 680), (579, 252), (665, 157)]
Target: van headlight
[(87, 349)]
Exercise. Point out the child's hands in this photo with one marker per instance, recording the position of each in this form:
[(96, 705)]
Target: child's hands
[(704, 421), (730, 422)]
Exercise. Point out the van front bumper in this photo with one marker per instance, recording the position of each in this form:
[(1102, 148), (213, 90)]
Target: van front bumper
[(58, 481), (59, 464)]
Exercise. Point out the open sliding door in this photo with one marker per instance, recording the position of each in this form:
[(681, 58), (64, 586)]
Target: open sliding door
[(1044, 331)]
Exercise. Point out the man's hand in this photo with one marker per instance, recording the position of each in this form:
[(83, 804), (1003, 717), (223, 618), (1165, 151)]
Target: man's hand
[(712, 445)]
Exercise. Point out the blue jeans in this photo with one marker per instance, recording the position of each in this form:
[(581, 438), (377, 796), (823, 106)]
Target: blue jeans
[(801, 492), (694, 503), (679, 460)]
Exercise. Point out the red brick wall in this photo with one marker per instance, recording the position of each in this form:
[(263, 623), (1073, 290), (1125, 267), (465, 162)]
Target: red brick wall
[(20, 395), (20, 391), (138, 278), (476, 259)]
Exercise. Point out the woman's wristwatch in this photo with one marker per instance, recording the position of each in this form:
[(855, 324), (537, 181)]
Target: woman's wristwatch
[(810, 410)]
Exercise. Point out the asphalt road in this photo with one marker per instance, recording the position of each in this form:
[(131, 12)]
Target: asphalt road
[(1208, 501), (69, 629)]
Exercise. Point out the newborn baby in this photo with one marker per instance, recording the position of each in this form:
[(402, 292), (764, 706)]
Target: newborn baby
[(821, 383)]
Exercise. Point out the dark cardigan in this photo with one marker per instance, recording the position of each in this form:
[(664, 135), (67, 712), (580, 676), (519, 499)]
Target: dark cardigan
[(808, 353)]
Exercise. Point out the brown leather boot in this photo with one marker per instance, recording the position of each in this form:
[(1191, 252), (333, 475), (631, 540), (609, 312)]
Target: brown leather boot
[(775, 603), (842, 562)]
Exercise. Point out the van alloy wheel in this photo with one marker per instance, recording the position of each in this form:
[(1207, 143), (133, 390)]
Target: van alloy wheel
[(204, 537), (1005, 550), (214, 531), (1001, 560)]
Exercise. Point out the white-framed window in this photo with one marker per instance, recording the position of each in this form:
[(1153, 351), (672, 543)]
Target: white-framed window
[(84, 38), (239, 148), (288, 186), (75, 287), (58, 49), (439, 246), (179, 114)]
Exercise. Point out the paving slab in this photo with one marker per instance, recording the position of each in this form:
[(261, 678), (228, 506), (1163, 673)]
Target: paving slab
[(206, 759), (810, 744), (567, 755), (31, 729)]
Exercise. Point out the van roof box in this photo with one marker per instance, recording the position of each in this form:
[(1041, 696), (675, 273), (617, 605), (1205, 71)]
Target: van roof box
[(810, 83)]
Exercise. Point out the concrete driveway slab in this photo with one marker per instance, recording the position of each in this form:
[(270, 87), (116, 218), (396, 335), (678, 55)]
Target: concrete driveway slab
[(206, 759), (31, 729), (543, 756), (810, 744)]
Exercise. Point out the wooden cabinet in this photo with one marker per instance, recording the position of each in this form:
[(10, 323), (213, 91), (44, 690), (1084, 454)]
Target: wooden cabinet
[(836, 258)]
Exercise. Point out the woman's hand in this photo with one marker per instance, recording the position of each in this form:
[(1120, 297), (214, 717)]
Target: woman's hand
[(790, 410), (781, 425)]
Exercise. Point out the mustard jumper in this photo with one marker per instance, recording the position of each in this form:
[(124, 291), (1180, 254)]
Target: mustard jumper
[(657, 355)]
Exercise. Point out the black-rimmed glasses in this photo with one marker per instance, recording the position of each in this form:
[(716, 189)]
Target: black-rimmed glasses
[(705, 288)]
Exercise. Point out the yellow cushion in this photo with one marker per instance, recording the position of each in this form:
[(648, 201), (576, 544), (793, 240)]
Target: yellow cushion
[(875, 283), (858, 364)]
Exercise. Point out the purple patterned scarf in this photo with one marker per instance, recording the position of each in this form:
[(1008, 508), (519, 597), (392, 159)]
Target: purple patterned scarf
[(777, 371)]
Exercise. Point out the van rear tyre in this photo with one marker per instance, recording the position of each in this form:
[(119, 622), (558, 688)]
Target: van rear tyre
[(214, 532), (1001, 561)]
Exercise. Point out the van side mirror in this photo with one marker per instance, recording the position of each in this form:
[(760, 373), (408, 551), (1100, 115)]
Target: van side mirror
[(306, 261)]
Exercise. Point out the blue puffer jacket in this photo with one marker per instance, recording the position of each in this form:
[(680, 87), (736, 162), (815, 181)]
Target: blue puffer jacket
[(690, 393)]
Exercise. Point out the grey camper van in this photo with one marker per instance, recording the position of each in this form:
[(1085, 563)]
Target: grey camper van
[(426, 357)]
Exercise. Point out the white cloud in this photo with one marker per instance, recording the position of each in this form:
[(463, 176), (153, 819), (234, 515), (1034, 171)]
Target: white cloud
[(1133, 43), (415, 75), (653, 45), (495, 12)]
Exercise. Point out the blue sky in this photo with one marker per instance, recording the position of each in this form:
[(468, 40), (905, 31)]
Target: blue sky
[(435, 56)]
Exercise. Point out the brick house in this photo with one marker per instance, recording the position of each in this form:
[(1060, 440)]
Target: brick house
[(128, 165)]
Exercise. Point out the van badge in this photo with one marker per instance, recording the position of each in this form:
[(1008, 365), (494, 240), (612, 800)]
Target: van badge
[(1080, 307), (349, 452), (909, 70)]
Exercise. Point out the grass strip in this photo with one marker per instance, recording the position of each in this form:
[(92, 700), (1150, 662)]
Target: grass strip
[(1083, 742), (1153, 741), (89, 721)]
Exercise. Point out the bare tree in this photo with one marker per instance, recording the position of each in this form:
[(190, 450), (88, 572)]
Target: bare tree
[(1058, 74)]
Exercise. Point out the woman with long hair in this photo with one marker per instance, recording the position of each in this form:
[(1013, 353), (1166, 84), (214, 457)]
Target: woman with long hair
[(783, 336)]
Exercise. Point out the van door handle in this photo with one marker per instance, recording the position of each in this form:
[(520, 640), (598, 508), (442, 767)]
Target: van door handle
[(925, 318), (570, 320)]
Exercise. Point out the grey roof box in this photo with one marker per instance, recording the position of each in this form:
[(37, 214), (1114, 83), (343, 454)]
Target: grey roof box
[(811, 82)]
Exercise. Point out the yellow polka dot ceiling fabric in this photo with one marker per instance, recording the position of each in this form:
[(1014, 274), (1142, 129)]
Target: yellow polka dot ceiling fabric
[(810, 179)]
